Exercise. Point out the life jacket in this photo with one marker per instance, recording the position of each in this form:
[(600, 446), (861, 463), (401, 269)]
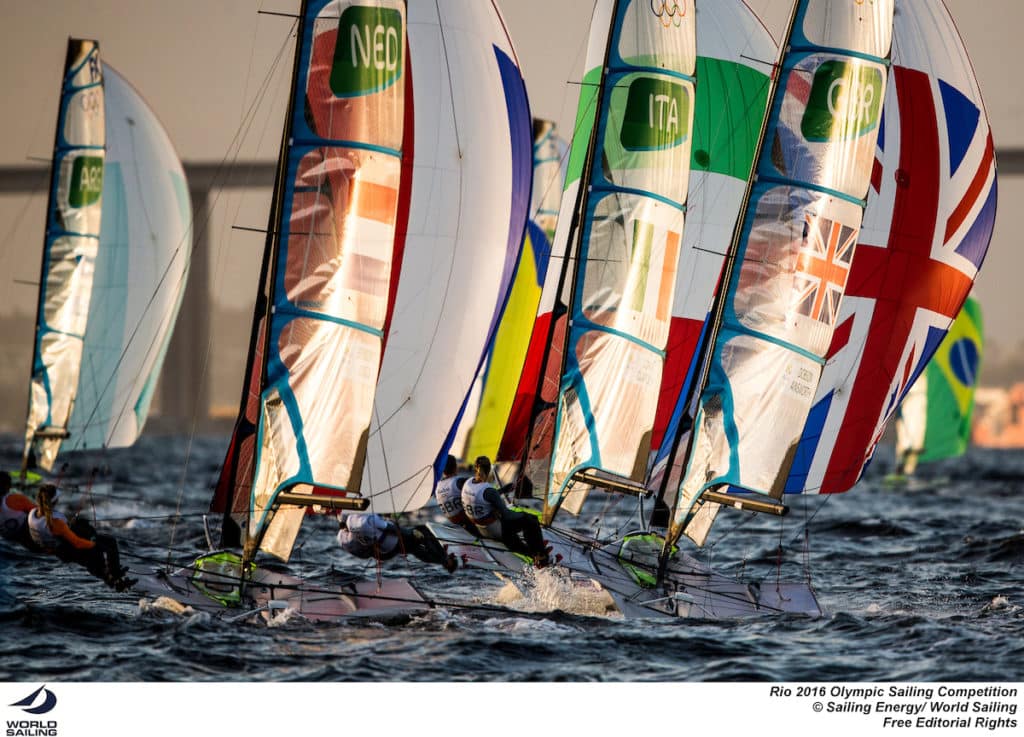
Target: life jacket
[(11, 520), (449, 498), (39, 531), (480, 511)]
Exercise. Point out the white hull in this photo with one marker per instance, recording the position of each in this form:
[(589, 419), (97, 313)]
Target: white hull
[(691, 589), (270, 592)]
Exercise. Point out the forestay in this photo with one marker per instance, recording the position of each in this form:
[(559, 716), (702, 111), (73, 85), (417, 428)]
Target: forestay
[(931, 210), (626, 226), (69, 252), (779, 308), (401, 218), (141, 270)]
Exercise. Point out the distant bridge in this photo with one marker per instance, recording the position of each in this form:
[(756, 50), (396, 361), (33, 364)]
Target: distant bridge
[(185, 394)]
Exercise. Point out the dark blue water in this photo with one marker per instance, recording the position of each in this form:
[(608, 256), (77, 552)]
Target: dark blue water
[(919, 584)]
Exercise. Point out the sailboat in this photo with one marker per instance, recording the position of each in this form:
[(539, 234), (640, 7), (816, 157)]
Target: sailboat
[(780, 329), (115, 263), (618, 248), (934, 419), (400, 202)]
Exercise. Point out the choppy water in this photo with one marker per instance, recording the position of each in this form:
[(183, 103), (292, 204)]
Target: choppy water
[(921, 584)]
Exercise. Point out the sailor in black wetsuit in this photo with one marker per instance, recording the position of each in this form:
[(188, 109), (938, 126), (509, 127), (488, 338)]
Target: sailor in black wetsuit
[(77, 542)]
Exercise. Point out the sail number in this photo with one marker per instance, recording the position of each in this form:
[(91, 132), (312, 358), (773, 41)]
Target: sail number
[(368, 51), (656, 115), (845, 101), (86, 184)]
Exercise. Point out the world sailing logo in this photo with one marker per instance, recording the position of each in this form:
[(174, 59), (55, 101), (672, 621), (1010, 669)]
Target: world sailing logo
[(29, 705), (368, 51), (845, 101), (49, 701)]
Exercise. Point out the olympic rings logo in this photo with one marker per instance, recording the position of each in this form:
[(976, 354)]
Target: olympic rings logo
[(669, 13)]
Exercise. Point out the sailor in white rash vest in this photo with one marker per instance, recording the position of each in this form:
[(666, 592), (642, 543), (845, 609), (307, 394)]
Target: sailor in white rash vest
[(449, 496), (371, 536), (519, 531)]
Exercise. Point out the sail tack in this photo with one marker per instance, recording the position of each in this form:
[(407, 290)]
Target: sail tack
[(929, 219), (140, 273), (626, 234), (73, 223), (796, 243)]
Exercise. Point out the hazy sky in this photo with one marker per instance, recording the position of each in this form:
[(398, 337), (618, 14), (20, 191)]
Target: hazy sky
[(207, 67)]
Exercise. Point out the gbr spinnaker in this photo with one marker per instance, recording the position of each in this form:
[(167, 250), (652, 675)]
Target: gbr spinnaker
[(929, 220)]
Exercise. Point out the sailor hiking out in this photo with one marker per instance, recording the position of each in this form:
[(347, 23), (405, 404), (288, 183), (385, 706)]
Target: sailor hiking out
[(75, 542), (371, 536), (486, 509)]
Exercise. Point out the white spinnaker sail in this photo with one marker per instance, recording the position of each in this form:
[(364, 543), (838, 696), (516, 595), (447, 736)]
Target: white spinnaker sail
[(139, 279), (735, 54), (471, 188), (69, 253)]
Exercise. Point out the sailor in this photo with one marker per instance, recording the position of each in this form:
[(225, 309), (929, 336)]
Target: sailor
[(371, 536), (484, 506), (14, 510), (77, 542), (449, 496)]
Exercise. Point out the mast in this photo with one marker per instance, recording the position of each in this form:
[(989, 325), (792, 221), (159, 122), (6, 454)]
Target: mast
[(228, 484)]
